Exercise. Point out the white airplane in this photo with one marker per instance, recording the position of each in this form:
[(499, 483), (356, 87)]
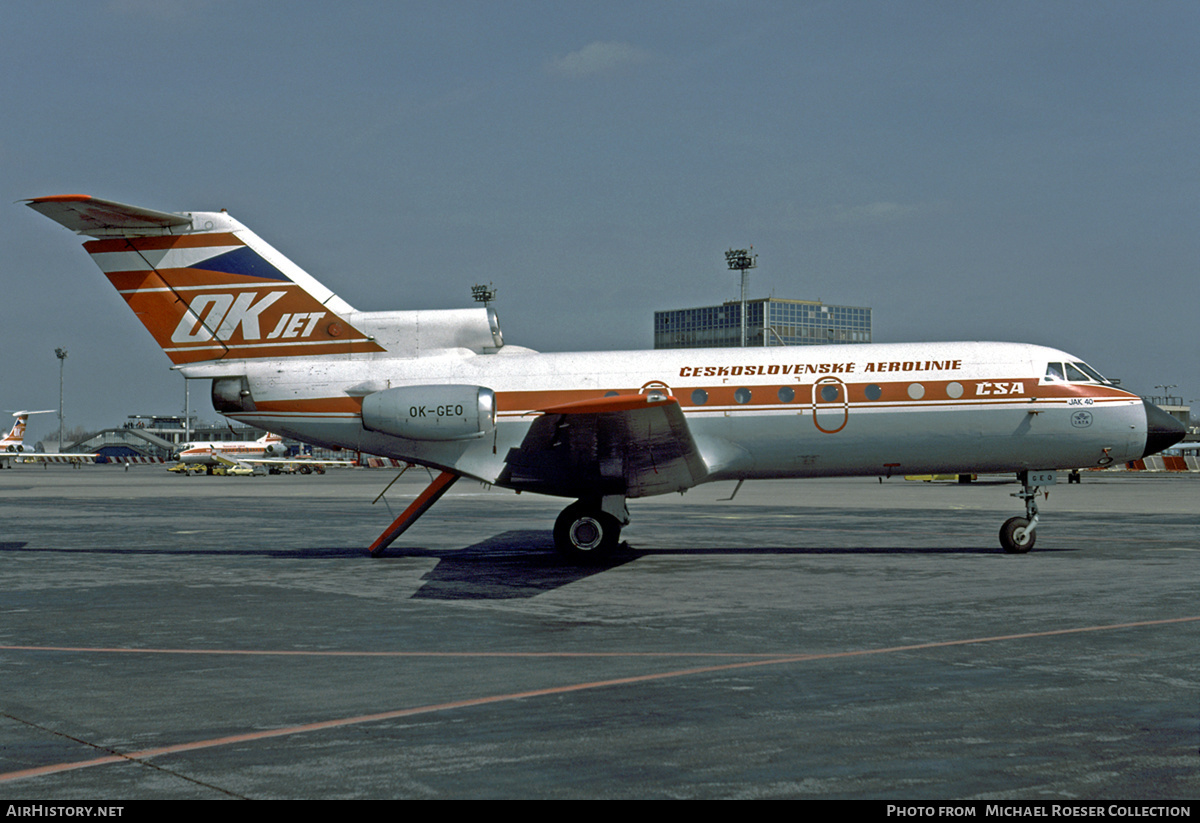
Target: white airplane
[(441, 389), (13, 443), (12, 446), (230, 451), (268, 450)]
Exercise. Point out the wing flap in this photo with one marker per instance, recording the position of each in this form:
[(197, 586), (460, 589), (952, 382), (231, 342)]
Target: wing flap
[(631, 445)]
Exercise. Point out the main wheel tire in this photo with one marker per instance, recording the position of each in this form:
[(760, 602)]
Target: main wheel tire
[(584, 534), (1015, 536)]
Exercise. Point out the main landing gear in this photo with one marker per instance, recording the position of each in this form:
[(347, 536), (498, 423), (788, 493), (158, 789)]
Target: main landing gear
[(589, 530), (1017, 535)]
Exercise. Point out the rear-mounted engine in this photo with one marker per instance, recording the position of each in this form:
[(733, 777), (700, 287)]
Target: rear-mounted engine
[(431, 412)]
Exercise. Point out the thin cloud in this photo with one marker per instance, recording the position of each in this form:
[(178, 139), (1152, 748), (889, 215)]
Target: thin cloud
[(598, 58)]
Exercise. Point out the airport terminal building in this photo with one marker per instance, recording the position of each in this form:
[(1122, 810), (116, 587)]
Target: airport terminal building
[(769, 322)]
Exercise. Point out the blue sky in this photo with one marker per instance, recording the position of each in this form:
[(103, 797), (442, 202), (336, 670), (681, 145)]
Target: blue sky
[(1006, 170)]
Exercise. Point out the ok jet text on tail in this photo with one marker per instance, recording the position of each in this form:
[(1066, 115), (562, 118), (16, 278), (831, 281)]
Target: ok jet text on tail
[(440, 389)]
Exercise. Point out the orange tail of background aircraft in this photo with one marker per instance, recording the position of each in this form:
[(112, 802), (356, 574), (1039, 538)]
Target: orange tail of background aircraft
[(14, 441)]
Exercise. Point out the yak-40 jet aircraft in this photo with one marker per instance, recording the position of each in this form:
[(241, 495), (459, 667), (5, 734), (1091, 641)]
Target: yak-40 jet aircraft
[(441, 389)]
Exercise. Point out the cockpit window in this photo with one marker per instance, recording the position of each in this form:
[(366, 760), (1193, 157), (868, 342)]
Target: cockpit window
[(1090, 372), (1075, 375)]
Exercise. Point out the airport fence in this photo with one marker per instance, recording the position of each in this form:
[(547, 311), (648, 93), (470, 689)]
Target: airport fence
[(1165, 463)]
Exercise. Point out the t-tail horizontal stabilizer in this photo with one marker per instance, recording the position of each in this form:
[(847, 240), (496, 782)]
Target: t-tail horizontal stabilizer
[(105, 218), (207, 287)]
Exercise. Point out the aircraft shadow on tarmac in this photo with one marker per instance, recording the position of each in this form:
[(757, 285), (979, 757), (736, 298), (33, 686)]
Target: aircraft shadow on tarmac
[(510, 565), (522, 564)]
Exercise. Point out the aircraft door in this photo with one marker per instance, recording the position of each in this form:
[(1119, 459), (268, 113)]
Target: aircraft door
[(830, 405)]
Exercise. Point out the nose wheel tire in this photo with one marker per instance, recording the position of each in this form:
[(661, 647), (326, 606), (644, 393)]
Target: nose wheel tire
[(1015, 536), (584, 533)]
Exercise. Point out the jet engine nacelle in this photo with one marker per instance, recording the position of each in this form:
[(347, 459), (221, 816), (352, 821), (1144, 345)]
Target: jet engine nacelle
[(431, 412), (275, 450)]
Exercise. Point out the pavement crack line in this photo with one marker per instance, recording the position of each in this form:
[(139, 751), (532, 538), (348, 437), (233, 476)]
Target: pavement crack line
[(112, 755)]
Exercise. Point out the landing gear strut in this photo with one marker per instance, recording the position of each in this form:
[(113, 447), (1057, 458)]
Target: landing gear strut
[(589, 530), (440, 485), (1017, 535)]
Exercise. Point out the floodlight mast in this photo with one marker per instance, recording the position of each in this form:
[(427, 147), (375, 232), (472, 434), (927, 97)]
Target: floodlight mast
[(484, 294), (742, 260), (61, 354)]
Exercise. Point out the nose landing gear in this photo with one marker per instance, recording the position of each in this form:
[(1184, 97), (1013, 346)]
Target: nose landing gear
[(1017, 535)]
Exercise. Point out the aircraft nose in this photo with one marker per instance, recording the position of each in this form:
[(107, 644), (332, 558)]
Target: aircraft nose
[(1162, 430)]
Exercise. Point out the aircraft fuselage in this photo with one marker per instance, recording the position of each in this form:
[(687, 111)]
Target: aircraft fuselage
[(867, 409)]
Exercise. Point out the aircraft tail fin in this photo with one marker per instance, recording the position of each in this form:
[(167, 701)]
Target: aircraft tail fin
[(206, 287), (16, 436)]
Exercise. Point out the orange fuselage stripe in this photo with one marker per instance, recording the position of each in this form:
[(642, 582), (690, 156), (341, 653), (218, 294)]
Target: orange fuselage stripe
[(892, 395)]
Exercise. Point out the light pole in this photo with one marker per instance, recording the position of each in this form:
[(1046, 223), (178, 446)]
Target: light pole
[(61, 354), (483, 294), (741, 260)]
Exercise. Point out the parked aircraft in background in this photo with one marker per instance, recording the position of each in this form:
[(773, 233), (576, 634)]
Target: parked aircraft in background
[(211, 453), (441, 389), (14, 441), (13, 449), (268, 451)]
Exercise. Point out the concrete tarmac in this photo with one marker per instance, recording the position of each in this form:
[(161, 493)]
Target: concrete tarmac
[(164, 637)]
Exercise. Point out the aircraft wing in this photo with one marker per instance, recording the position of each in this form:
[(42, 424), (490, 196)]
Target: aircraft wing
[(633, 445), (50, 457), (294, 461)]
